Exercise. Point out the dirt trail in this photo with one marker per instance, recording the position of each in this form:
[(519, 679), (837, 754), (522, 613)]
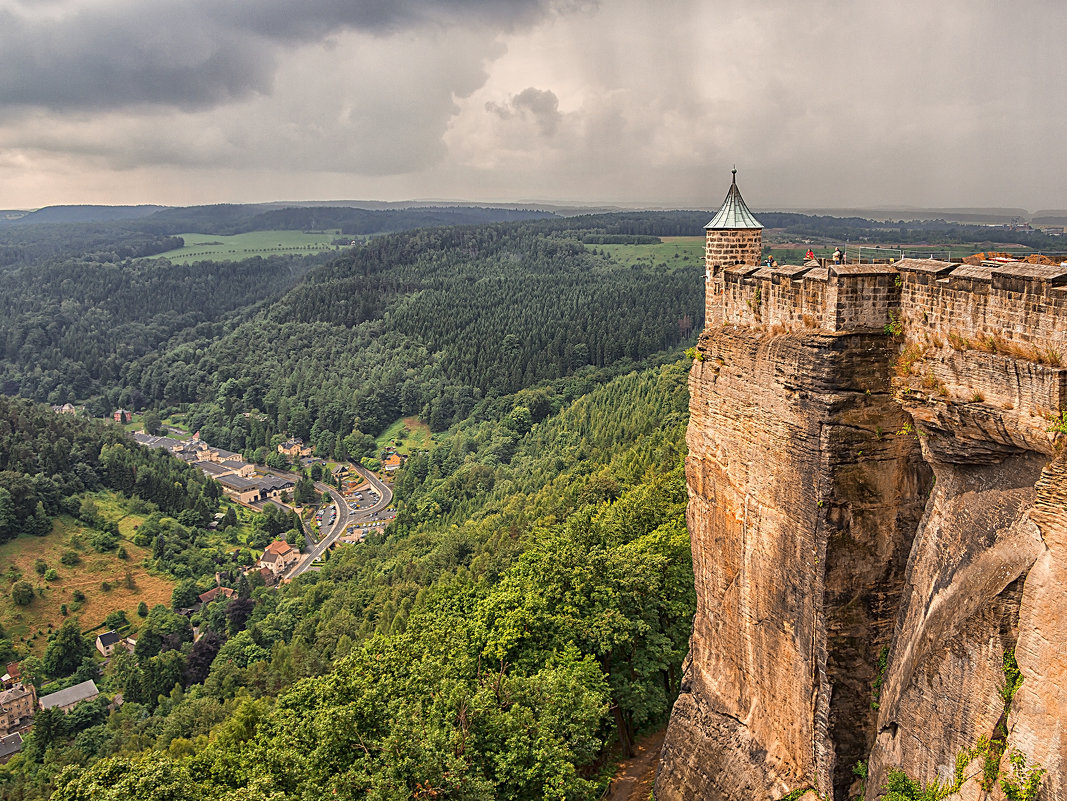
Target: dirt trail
[(636, 775)]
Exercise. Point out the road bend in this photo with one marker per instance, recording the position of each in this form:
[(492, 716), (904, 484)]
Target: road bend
[(345, 516)]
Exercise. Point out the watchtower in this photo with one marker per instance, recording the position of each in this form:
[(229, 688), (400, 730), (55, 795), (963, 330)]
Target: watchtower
[(733, 237)]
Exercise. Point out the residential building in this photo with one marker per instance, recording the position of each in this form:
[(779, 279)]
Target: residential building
[(295, 448), (216, 592), (11, 677), (122, 416), (67, 699), (10, 745), (17, 707), (278, 556), (107, 642)]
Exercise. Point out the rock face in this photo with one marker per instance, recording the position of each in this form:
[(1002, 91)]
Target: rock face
[(878, 513), (802, 510)]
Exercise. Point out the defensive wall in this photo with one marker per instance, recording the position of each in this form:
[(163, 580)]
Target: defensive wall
[(989, 307)]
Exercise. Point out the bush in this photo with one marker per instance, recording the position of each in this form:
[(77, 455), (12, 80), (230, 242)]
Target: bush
[(40, 567), (142, 609), (22, 593), (51, 575), (70, 558), (105, 586), (78, 596), (104, 541)]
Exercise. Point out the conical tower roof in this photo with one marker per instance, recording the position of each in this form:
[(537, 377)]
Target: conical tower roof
[(734, 213)]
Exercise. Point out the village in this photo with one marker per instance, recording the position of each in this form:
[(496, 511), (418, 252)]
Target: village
[(359, 505)]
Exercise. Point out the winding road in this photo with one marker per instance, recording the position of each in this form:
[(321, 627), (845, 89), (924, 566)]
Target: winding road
[(345, 516)]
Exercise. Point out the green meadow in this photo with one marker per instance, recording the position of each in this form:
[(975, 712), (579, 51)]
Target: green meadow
[(214, 247), (672, 251)]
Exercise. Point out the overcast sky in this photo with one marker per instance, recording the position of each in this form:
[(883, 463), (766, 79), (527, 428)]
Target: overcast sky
[(818, 102)]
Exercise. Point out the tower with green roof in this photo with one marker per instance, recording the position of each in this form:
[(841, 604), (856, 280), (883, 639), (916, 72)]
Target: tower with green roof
[(734, 237)]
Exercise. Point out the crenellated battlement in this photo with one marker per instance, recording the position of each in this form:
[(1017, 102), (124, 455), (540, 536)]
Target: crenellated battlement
[(1007, 304), (991, 306), (834, 298)]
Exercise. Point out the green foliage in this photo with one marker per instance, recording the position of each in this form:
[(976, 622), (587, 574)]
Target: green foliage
[(66, 649), (1013, 677), (22, 593), (1059, 424), (1024, 782), (184, 595), (895, 327), (879, 679)]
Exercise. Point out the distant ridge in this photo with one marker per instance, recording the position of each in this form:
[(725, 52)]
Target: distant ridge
[(78, 214), (981, 216)]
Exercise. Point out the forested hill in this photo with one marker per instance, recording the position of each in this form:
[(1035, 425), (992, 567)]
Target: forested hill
[(430, 323), (48, 460), (26, 242), (524, 615)]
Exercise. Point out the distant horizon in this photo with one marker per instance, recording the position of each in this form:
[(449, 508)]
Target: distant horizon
[(573, 205)]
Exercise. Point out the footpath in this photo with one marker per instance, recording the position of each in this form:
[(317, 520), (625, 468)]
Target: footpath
[(637, 774)]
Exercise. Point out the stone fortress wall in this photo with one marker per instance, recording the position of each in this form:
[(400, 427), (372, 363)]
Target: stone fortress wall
[(1012, 304)]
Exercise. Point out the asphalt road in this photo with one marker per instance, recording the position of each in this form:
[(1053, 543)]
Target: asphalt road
[(345, 516)]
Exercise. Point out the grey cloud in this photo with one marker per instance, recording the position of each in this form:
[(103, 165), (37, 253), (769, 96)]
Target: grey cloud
[(540, 104), (195, 53)]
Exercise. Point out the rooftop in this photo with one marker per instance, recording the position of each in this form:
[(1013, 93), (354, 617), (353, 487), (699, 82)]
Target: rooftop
[(71, 695), (11, 744), (734, 214)]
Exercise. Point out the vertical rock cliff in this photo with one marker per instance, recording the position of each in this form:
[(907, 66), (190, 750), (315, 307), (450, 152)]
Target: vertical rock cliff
[(802, 510), (878, 511)]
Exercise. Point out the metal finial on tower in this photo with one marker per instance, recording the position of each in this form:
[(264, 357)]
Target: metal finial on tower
[(733, 172)]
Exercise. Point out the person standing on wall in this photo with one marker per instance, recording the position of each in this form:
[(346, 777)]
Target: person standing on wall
[(837, 255)]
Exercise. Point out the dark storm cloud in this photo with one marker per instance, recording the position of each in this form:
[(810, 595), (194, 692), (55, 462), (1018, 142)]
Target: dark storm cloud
[(194, 53)]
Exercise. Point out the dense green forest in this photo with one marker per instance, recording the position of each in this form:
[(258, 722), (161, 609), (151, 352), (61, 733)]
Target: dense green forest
[(429, 323), (47, 460), (520, 618)]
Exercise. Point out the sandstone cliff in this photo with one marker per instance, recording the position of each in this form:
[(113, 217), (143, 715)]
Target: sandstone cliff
[(878, 511)]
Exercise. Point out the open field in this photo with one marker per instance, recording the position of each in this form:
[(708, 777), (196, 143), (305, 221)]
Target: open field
[(673, 252), (244, 246), (130, 582), (407, 435)]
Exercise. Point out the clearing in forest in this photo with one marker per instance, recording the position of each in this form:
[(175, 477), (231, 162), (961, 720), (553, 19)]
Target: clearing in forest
[(214, 247), (408, 435), (129, 581), (673, 252)]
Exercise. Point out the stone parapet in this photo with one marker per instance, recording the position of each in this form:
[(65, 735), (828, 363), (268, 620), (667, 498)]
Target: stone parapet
[(975, 306), (986, 306), (805, 298)]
